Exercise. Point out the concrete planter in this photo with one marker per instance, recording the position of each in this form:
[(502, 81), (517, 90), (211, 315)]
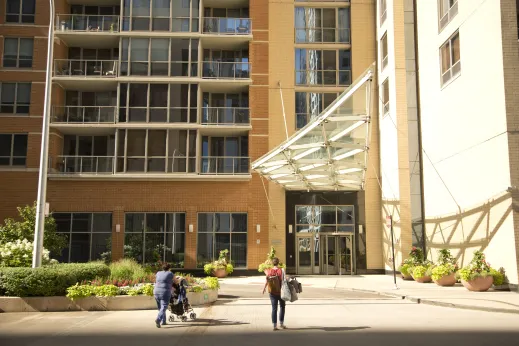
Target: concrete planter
[(447, 280), (118, 303), (480, 284)]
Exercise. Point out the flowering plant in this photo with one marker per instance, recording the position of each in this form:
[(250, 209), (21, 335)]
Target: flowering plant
[(416, 258), (18, 253)]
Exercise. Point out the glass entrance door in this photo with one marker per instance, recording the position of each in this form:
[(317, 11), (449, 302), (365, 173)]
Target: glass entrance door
[(304, 254), (336, 254)]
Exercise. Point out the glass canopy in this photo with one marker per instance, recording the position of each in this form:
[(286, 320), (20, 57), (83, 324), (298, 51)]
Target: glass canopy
[(330, 152)]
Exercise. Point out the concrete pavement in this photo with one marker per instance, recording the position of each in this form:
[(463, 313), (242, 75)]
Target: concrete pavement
[(457, 296)]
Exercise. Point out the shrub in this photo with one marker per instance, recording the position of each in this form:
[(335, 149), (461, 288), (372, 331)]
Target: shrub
[(443, 270), (197, 289), (147, 290), (405, 269), (422, 270), (212, 283), (127, 269), (478, 267), (80, 291), (18, 253), (221, 263), (268, 262), (85, 271), (499, 276)]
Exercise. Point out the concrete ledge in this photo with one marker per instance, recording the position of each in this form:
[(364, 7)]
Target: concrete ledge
[(118, 303)]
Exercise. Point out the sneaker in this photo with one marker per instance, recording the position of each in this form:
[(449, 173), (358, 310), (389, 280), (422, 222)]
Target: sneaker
[(283, 326), (157, 323), (275, 328), (164, 323)]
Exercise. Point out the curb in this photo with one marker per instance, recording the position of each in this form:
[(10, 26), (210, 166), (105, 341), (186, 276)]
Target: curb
[(432, 302)]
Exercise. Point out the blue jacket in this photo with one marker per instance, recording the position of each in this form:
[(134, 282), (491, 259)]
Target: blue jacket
[(163, 283)]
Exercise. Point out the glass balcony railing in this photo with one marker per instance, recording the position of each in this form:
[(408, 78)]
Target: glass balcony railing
[(83, 114), (323, 77), (84, 165), (224, 165), (225, 116), (87, 23), (227, 70), (227, 26), (85, 68), (322, 35)]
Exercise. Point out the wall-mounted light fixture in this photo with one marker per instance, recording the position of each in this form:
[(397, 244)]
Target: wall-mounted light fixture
[(290, 229), (190, 228), (258, 228)]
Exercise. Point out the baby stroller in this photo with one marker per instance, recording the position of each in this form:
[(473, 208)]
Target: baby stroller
[(179, 305)]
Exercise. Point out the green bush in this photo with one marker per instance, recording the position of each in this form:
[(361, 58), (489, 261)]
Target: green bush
[(147, 290), (127, 269), (443, 270), (82, 291), (421, 271), (197, 289), (405, 269), (48, 281), (212, 283), (499, 277)]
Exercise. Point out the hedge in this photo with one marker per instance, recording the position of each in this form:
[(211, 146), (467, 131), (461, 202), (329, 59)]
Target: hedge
[(48, 281)]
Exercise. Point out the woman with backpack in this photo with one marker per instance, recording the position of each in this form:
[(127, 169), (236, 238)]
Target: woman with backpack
[(273, 282)]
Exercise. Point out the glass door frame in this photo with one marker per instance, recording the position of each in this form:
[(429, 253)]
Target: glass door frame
[(306, 270)]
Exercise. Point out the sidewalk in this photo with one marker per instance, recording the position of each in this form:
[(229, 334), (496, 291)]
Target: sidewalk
[(457, 296)]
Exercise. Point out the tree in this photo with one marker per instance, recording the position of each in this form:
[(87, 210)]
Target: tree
[(13, 230)]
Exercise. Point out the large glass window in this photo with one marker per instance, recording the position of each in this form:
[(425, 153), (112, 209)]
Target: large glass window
[(176, 57), (20, 11), (222, 231), (447, 10), (156, 151), (323, 67), (89, 236), (158, 103), (161, 15), (13, 149), (322, 25), (450, 58), (15, 98), (18, 52), (325, 219), (153, 237), (309, 105)]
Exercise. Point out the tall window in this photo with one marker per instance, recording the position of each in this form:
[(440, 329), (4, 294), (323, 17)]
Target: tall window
[(310, 219), (159, 57), (384, 93), (323, 67), (450, 58), (153, 237), (20, 11), (161, 15), (18, 52), (88, 235), (13, 149), (309, 105), (15, 98), (221, 231), (327, 25), (447, 10), (383, 51), (382, 11), (156, 151)]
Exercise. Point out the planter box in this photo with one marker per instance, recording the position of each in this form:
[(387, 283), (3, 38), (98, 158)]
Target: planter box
[(118, 303)]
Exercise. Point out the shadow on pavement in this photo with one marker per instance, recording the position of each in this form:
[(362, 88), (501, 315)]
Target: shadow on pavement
[(329, 329), (204, 322)]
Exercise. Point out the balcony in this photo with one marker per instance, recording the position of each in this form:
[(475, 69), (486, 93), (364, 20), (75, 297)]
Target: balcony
[(318, 35), (226, 70), (88, 31), (83, 165), (225, 116), (94, 75), (224, 165), (83, 114), (323, 77), (226, 33)]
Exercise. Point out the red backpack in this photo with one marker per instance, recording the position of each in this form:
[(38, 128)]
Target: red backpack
[(274, 281)]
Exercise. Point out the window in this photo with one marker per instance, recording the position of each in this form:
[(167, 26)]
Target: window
[(329, 218), (158, 103), (323, 67), (447, 9), (174, 57), (161, 15), (15, 98), (327, 25), (87, 154), (20, 11), (154, 237), (13, 149), (309, 105), (156, 151), (225, 155), (384, 93), (383, 51), (18, 52), (450, 58), (88, 235), (222, 231), (382, 11)]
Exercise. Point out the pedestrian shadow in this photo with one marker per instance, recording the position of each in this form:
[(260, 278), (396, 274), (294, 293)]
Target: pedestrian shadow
[(331, 329), (204, 322)]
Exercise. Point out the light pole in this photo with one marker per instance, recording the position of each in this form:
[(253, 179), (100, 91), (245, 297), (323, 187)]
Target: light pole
[(42, 175)]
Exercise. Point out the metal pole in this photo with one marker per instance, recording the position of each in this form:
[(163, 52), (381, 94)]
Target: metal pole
[(393, 251), (42, 176)]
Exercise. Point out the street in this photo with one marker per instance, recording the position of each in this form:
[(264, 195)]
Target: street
[(242, 317)]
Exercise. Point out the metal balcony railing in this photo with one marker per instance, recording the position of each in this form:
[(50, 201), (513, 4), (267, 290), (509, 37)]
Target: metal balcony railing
[(224, 165), (227, 26), (323, 77), (225, 116), (87, 23), (85, 68), (83, 114), (322, 35), (227, 70), (84, 165)]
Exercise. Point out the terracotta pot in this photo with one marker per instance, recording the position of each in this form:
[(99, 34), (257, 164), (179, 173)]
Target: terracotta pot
[(447, 280), (407, 277), (480, 284), (220, 273), (423, 279)]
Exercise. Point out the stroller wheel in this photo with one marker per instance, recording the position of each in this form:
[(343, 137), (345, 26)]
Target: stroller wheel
[(184, 319), (192, 316), (171, 318)]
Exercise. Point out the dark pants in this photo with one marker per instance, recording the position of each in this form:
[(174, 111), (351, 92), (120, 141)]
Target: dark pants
[(162, 305), (274, 300)]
